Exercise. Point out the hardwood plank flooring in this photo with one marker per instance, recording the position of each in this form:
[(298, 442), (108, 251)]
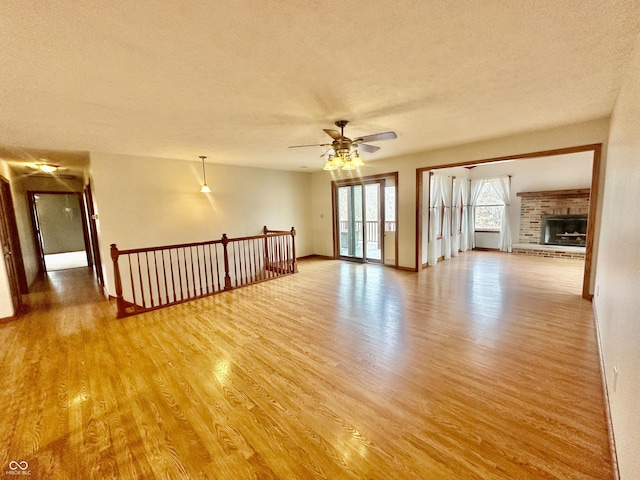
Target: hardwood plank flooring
[(483, 367)]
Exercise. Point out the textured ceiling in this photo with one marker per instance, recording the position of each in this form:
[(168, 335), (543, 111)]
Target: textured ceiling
[(241, 81)]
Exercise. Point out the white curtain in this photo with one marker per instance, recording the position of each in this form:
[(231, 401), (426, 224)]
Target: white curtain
[(476, 187), (503, 187), (435, 200), (464, 230), (445, 191), (455, 214)]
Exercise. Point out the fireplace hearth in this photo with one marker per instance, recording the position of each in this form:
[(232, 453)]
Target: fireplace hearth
[(568, 230)]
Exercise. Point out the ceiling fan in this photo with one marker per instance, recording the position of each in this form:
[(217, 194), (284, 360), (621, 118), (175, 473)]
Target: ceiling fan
[(340, 154)]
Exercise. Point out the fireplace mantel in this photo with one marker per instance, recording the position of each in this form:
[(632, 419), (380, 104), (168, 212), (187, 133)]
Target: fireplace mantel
[(555, 193)]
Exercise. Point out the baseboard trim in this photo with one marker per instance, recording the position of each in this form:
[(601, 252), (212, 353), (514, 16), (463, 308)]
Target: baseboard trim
[(612, 439), (406, 269), (9, 319)]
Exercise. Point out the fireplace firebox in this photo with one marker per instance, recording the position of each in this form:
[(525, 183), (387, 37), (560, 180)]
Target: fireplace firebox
[(569, 230)]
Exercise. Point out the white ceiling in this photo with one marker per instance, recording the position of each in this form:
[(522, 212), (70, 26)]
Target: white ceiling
[(241, 81)]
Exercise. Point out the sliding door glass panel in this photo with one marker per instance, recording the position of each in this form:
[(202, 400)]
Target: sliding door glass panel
[(389, 243), (351, 237), (373, 226)]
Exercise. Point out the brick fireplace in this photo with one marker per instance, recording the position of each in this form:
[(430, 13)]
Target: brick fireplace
[(536, 207)]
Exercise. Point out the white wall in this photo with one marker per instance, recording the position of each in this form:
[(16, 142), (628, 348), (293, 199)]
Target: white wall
[(561, 172), (617, 301), (145, 202), (561, 137)]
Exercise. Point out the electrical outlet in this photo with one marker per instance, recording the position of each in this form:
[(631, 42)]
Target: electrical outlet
[(615, 378)]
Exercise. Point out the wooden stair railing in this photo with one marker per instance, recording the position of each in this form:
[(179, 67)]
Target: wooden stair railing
[(158, 277)]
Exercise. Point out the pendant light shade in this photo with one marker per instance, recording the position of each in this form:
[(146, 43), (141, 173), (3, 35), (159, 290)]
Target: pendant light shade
[(205, 188), (356, 160)]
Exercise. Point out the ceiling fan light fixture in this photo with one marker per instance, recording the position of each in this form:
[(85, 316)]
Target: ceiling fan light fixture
[(341, 147)]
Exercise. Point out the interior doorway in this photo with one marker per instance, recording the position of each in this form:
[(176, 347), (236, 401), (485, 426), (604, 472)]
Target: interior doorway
[(60, 230), (595, 150)]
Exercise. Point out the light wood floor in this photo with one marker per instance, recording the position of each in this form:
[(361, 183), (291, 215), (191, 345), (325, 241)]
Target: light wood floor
[(484, 367)]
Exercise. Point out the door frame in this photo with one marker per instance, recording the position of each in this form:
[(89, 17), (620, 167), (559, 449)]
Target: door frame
[(93, 233), (380, 178), (595, 148), (35, 224)]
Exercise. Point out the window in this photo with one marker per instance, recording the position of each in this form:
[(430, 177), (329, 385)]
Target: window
[(489, 207)]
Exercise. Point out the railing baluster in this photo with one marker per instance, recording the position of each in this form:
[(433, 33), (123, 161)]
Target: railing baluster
[(237, 264), (276, 254), (270, 257), (179, 273), (206, 252), (173, 277), (148, 267), (144, 302), (247, 260), (193, 272), (239, 253), (206, 274), (186, 269), (215, 249), (254, 261), (155, 266), (260, 259), (243, 261), (164, 275), (133, 286)]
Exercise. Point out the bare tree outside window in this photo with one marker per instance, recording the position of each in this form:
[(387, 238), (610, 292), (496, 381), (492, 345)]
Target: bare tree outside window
[(489, 208)]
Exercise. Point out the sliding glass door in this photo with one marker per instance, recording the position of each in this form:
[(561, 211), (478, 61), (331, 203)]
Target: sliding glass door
[(359, 211)]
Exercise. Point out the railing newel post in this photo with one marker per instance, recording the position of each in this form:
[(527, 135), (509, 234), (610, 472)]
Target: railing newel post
[(293, 248), (266, 248), (227, 277), (115, 255)]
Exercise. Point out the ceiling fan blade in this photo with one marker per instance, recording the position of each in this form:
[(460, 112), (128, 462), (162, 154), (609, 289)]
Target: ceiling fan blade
[(367, 148), (333, 134), (377, 137), (311, 145)]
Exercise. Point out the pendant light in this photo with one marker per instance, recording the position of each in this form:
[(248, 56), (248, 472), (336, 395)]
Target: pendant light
[(205, 188)]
